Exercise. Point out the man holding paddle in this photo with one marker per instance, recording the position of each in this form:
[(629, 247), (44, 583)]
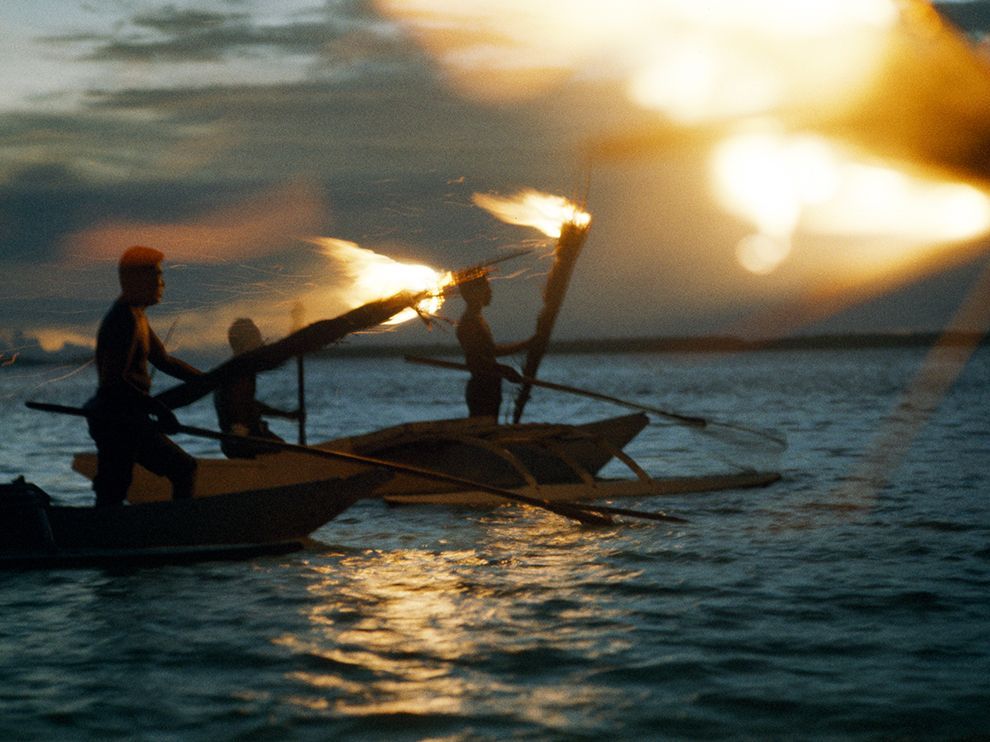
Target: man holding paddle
[(121, 413), (484, 389)]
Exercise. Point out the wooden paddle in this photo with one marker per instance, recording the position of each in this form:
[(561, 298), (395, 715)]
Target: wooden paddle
[(595, 515), (709, 426)]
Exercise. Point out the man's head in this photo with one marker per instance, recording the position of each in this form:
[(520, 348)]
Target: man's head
[(477, 292), (244, 335), (140, 271)]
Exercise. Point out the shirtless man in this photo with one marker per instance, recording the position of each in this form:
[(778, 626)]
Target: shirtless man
[(126, 422), (484, 389), (239, 412)]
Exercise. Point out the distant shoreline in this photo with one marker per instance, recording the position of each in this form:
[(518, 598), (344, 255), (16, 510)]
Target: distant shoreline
[(703, 344), (686, 344)]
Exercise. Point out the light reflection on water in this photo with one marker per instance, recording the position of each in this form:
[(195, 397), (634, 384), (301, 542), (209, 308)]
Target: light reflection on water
[(777, 613), (415, 631)]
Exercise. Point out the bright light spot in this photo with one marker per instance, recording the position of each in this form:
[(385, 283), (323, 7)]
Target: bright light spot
[(54, 339), (373, 276), (531, 208), (761, 254), (783, 184)]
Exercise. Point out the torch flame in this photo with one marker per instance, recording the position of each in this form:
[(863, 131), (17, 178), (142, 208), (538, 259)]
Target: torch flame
[(531, 208), (374, 276)]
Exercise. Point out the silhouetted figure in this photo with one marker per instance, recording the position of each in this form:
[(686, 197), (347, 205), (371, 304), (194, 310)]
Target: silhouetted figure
[(238, 411), (121, 412), (484, 388)]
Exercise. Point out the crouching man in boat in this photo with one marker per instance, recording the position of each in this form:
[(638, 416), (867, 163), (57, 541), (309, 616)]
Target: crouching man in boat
[(126, 422), (484, 389), (239, 413)]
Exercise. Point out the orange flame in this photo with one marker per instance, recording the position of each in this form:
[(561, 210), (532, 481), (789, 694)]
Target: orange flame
[(531, 208), (374, 276)]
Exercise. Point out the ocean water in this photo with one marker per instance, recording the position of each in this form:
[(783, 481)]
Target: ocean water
[(851, 600)]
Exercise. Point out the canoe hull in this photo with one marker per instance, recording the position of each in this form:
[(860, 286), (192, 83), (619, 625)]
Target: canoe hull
[(233, 525), (508, 456)]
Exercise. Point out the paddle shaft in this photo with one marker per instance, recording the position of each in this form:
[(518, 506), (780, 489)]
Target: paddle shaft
[(587, 515), (301, 398), (697, 422)]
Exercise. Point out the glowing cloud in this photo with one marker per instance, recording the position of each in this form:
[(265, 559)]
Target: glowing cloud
[(254, 227), (692, 61)]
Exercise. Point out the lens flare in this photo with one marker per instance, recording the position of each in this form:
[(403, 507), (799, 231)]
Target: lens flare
[(531, 208), (373, 276), (784, 184)]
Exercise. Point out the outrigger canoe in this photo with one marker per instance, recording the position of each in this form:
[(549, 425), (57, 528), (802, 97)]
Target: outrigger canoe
[(34, 532), (553, 462)]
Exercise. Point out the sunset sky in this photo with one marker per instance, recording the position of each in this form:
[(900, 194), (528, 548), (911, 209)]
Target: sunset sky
[(760, 167)]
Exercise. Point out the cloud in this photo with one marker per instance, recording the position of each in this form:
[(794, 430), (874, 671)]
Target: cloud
[(255, 227), (972, 17), (172, 35)]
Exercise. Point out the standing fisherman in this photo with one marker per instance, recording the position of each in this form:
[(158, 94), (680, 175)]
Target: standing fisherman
[(121, 412), (484, 388)]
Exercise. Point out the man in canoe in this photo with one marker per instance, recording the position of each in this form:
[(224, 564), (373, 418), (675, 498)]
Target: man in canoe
[(239, 413), (126, 422), (484, 388)]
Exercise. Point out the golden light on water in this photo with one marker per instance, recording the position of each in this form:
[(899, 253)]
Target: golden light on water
[(372, 276), (531, 208)]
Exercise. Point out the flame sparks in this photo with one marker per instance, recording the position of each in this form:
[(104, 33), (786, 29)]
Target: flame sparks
[(373, 276), (531, 208)]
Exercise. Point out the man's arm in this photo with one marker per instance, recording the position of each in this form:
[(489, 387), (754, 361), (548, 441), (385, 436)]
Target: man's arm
[(507, 349), (169, 364), (269, 411)]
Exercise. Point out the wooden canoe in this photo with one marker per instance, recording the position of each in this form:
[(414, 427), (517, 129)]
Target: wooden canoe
[(508, 456), (558, 463), (35, 532)]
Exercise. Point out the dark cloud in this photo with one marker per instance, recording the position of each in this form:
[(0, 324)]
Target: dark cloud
[(173, 35), (972, 17)]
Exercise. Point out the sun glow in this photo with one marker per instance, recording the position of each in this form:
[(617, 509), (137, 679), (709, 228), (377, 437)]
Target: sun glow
[(691, 61), (839, 90), (531, 208), (373, 276), (786, 183)]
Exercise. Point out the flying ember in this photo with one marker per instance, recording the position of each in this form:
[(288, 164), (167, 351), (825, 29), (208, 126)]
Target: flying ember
[(531, 208), (372, 276)]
